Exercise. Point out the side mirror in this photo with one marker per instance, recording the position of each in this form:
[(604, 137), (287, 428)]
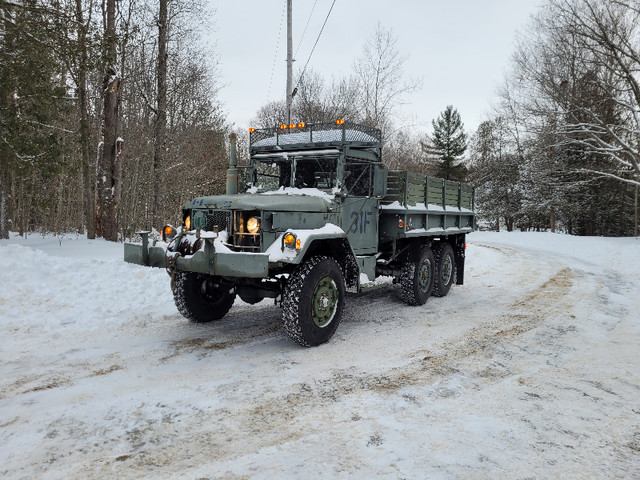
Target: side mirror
[(380, 180)]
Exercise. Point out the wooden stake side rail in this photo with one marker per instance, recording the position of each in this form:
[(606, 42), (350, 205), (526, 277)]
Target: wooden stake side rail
[(417, 205)]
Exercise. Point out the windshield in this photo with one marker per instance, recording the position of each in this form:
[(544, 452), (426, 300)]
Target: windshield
[(310, 172), (315, 173), (272, 174)]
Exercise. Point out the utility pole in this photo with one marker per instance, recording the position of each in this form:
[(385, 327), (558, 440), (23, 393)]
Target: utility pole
[(289, 62), (636, 213)]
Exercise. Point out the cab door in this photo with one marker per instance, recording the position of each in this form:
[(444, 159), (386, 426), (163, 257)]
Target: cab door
[(359, 208)]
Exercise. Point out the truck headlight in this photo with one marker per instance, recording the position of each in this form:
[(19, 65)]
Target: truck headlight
[(253, 225)]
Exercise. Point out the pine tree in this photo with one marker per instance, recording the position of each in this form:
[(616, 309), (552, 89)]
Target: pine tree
[(448, 143), (32, 114)]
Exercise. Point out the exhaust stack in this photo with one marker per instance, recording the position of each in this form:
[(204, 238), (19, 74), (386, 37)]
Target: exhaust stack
[(232, 171)]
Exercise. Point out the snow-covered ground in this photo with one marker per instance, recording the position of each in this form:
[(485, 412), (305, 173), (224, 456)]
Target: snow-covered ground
[(529, 370)]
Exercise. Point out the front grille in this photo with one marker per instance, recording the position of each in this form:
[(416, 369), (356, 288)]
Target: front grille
[(244, 241), (220, 219)]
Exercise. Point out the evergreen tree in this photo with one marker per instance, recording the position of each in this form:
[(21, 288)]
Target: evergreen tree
[(495, 172), (448, 144), (32, 113)]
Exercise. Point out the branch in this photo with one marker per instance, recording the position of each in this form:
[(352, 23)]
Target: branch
[(610, 175)]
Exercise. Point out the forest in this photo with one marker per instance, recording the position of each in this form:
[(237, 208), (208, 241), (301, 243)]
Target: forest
[(110, 117)]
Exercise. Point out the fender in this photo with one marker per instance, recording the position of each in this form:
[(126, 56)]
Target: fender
[(329, 240), (304, 239)]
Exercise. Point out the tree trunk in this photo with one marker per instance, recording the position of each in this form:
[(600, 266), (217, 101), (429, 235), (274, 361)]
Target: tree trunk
[(4, 227), (159, 147), (553, 220), (88, 163), (109, 167), (4, 153), (509, 222), (635, 230)]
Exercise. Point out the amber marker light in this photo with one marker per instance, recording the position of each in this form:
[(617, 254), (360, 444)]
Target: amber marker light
[(400, 223), (298, 244), (167, 233), (290, 240), (340, 122), (251, 130), (283, 127), (292, 125), (302, 125)]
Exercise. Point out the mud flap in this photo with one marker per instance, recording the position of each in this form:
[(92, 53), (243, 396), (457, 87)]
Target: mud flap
[(459, 253)]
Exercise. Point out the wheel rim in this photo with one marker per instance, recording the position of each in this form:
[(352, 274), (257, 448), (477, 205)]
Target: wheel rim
[(447, 269), (424, 276), (209, 292), (324, 302)]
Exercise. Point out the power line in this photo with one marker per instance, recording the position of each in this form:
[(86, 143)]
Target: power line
[(275, 57), (315, 44), (305, 28)]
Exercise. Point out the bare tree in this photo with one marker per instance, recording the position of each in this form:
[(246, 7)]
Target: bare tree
[(271, 115), (584, 60), (379, 80)]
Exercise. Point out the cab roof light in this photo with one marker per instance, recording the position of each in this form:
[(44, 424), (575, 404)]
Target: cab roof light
[(251, 130), (292, 125), (340, 122), (302, 125), (283, 126)]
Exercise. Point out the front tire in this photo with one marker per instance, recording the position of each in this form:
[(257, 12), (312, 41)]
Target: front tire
[(313, 301), (416, 278), (202, 298)]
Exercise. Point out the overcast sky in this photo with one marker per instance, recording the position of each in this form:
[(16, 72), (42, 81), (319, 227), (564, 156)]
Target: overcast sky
[(460, 48)]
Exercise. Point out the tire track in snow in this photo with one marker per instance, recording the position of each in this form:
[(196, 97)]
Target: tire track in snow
[(279, 417)]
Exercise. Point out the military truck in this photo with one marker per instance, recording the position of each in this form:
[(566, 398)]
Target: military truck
[(321, 215)]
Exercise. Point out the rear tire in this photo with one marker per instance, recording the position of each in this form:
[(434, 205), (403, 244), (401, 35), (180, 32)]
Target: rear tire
[(202, 298), (445, 269), (416, 278), (313, 301)]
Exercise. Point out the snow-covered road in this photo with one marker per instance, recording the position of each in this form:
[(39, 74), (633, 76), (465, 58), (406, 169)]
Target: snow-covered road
[(529, 370)]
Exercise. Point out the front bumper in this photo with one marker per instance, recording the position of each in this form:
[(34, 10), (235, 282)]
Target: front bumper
[(205, 260)]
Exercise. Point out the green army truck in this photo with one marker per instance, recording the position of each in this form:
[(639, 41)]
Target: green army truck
[(321, 215)]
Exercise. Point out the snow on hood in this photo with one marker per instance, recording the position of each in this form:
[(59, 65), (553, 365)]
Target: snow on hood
[(309, 192)]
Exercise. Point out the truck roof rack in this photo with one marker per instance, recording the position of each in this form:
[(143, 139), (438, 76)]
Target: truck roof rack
[(300, 136)]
